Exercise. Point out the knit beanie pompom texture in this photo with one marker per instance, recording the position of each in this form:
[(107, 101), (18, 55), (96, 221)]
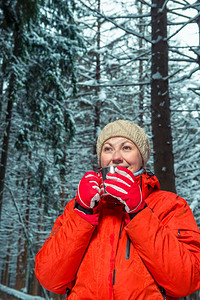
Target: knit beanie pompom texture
[(129, 130)]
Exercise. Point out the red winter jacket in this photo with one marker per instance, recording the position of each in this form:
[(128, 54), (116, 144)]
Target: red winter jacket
[(156, 254)]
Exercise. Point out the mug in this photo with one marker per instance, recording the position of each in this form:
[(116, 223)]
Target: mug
[(111, 169)]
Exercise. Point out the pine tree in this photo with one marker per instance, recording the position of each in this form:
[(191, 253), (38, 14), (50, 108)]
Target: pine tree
[(39, 65)]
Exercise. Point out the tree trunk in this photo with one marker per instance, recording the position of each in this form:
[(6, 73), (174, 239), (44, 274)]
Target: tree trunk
[(1, 90), (5, 272), (20, 279), (160, 102), (40, 221), (141, 69), (97, 104)]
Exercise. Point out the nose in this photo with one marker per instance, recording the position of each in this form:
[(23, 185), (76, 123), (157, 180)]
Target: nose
[(117, 157)]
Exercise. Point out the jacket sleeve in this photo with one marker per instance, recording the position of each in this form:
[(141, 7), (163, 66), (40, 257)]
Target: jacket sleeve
[(168, 241), (57, 262)]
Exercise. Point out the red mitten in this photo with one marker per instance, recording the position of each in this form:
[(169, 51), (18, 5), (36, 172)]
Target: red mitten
[(88, 193), (101, 185), (123, 186)]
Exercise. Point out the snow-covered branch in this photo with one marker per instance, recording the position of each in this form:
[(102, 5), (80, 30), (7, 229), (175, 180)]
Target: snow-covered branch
[(127, 30), (186, 76), (111, 84), (18, 294), (186, 23)]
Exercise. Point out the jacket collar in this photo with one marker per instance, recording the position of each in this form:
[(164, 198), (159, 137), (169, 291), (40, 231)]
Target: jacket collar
[(148, 183)]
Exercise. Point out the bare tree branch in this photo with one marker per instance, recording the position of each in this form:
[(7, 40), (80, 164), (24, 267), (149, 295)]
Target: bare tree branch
[(127, 30), (186, 23)]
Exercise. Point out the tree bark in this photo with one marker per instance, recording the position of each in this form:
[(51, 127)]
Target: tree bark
[(160, 101), (5, 272), (21, 271), (141, 69), (97, 89)]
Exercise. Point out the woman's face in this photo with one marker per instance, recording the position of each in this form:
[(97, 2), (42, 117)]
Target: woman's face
[(121, 151)]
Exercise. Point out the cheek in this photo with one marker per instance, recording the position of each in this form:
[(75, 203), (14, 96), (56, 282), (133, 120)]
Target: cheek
[(139, 159), (104, 160), (140, 163), (135, 159)]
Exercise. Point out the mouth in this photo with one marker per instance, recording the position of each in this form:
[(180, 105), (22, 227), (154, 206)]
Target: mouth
[(119, 165)]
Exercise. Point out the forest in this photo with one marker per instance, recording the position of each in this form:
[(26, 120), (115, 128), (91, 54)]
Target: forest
[(67, 69)]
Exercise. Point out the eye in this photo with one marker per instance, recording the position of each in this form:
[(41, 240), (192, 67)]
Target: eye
[(126, 148), (107, 149)]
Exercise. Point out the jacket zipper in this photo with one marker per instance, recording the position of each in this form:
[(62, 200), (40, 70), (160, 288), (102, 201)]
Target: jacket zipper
[(114, 277), (164, 297), (128, 246), (120, 232), (162, 290)]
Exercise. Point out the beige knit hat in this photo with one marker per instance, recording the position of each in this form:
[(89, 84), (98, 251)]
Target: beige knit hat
[(129, 130)]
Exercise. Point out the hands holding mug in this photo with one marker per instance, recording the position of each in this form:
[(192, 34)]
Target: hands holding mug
[(120, 184), (123, 186)]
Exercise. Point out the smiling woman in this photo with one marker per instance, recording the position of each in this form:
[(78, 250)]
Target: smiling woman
[(131, 133), (123, 152), (129, 241)]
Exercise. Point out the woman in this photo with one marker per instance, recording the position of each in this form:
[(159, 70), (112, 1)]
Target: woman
[(134, 242)]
